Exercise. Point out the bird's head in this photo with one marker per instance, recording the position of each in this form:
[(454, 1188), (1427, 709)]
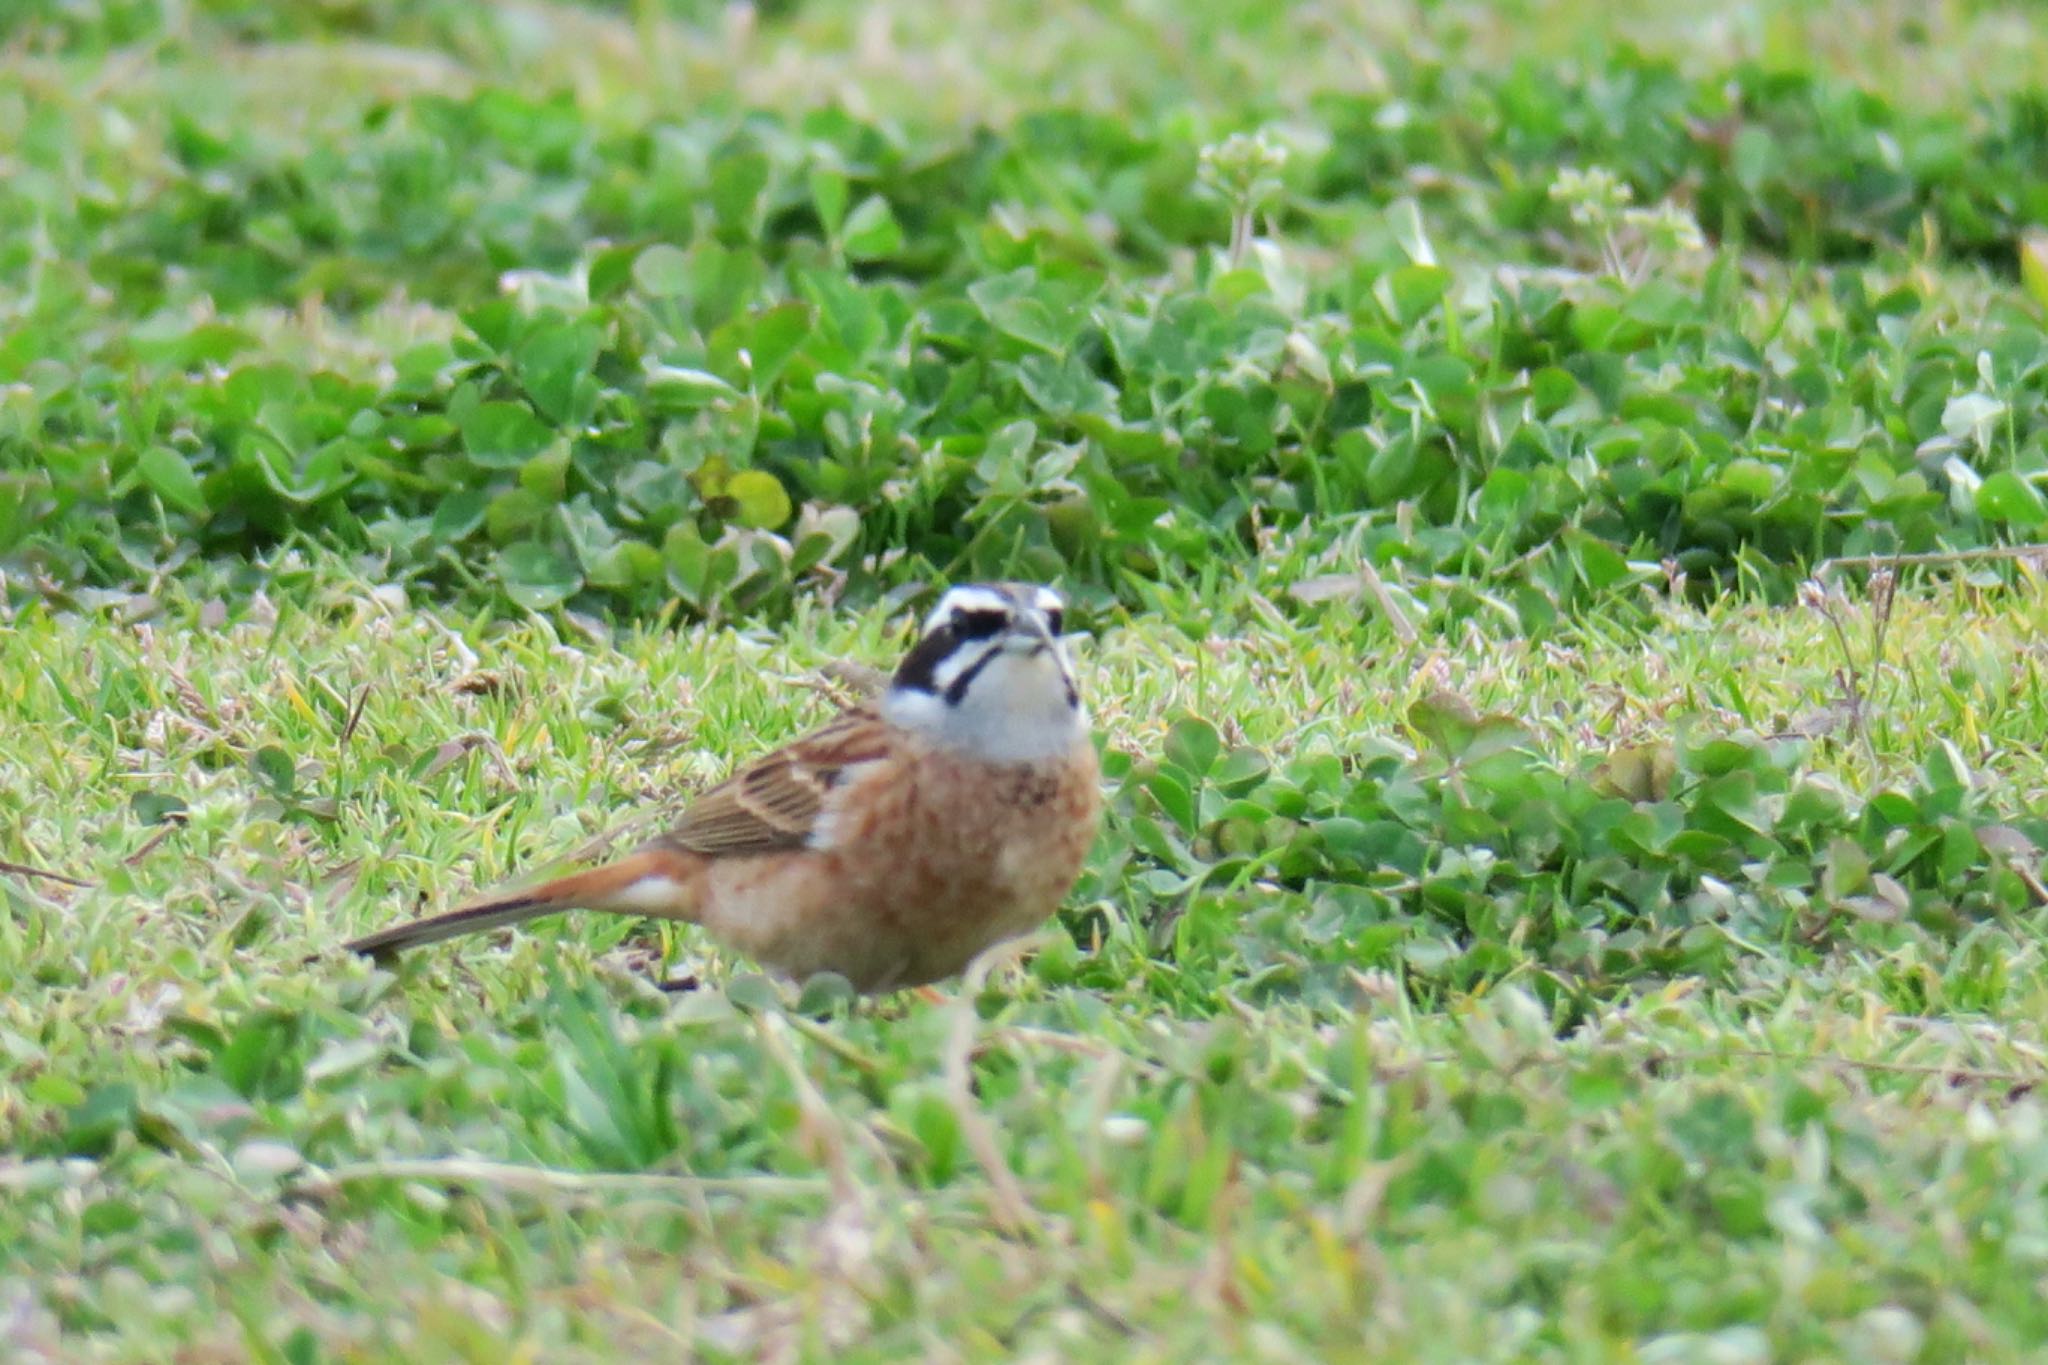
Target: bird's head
[(989, 675)]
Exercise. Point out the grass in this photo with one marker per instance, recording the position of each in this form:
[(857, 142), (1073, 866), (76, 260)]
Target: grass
[(1534, 919), (521, 1145)]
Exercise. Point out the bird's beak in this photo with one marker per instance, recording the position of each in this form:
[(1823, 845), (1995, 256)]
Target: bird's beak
[(1028, 638)]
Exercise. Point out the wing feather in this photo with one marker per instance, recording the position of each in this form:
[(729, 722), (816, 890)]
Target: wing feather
[(774, 802)]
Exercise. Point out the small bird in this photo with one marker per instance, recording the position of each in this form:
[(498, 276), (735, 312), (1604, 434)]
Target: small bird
[(892, 844)]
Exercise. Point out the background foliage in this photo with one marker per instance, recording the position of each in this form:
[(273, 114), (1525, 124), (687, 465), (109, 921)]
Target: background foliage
[(707, 352)]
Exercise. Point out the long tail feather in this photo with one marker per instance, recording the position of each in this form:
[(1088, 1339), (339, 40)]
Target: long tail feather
[(652, 882)]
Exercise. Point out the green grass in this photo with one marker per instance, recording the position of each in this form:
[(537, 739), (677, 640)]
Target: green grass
[(1534, 919), (1816, 1145)]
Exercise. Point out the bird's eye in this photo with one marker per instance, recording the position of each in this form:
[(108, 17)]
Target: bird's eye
[(979, 625), (1055, 620)]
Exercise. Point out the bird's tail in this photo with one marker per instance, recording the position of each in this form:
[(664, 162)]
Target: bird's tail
[(651, 882)]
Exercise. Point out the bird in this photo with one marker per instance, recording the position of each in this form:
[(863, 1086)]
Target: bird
[(892, 844)]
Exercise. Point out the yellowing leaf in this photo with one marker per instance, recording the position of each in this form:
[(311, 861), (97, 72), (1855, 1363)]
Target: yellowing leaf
[(2034, 264), (764, 504)]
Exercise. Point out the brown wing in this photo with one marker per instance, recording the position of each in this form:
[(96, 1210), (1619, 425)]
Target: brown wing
[(773, 802)]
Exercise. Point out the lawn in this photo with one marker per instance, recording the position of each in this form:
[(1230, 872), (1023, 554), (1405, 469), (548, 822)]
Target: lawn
[(1538, 495)]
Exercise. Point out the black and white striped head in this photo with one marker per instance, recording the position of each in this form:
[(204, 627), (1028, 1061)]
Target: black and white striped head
[(990, 676)]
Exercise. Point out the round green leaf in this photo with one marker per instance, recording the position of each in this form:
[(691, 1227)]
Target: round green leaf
[(2009, 498), (513, 513), (828, 196), (672, 388), (1192, 745), (458, 515), (169, 475), (546, 474), (1749, 478), (1599, 563), (554, 363), (1500, 497), (274, 766), (871, 230), (627, 564), (536, 576), (503, 435), (662, 271), (154, 808), (611, 272), (739, 185), (1552, 387), (1412, 290)]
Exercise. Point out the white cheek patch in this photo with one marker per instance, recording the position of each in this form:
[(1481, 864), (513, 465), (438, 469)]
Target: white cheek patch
[(958, 662)]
